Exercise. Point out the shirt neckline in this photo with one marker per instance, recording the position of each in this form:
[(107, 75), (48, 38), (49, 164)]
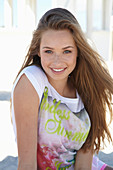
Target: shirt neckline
[(65, 98)]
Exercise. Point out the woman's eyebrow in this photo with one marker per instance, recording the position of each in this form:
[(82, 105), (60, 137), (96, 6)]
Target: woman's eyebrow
[(48, 47), (67, 47), (62, 48)]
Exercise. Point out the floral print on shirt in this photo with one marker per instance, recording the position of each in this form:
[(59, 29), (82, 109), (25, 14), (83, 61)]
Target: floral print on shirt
[(61, 133)]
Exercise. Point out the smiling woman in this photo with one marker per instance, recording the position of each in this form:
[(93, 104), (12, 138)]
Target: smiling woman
[(58, 57), (59, 98)]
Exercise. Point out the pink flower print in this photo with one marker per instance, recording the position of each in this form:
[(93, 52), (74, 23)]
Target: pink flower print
[(45, 158)]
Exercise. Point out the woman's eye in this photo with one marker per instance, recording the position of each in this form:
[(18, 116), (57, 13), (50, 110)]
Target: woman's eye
[(67, 51), (48, 51)]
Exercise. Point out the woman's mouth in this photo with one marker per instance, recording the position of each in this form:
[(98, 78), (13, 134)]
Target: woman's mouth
[(58, 70)]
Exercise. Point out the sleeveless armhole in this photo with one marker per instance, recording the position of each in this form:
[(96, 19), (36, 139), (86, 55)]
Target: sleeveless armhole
[(35, 83)]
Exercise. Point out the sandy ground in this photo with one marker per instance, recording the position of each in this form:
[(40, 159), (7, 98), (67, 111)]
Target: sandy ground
[(8, 149)]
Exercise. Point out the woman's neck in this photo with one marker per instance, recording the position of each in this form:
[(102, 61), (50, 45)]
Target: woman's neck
[(63, 89)]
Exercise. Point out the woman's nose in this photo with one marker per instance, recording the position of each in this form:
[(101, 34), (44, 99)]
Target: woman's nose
[(57, 58)]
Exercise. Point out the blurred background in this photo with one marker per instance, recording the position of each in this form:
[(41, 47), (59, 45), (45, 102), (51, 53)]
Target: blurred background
[(18, 19)]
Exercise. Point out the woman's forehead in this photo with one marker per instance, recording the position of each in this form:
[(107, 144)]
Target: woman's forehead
[(57, 37)]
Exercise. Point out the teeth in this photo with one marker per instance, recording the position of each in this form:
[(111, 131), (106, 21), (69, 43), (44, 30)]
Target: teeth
[(58, 69)]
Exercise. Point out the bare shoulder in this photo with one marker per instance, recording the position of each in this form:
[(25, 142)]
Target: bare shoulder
[(26, 105), (24, 88), (26, 100)]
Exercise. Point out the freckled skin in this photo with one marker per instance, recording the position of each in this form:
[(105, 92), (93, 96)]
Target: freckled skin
[(58, 51)]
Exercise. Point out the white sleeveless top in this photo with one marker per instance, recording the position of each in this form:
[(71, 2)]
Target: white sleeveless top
[(63, 123)]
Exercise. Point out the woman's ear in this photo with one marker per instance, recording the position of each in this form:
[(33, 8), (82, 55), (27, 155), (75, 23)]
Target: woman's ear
[(39, 54)]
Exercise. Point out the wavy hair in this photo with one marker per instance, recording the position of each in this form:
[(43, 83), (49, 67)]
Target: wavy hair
[(90, 77)]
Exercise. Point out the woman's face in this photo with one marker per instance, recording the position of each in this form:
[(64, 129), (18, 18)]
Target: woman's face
[(58, 54)]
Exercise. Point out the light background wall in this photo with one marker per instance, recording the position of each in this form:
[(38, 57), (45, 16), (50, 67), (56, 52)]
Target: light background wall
[(19, 18)]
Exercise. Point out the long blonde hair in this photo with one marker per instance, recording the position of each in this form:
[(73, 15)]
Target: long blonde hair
[(90, 77)]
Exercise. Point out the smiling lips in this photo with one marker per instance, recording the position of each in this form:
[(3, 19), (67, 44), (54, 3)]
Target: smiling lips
[(58, 70)]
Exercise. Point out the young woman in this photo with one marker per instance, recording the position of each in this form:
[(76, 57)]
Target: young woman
[(59, 98)]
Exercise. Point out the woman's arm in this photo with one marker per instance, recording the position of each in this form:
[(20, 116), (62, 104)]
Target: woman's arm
[(84, 160), (26, 104)]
